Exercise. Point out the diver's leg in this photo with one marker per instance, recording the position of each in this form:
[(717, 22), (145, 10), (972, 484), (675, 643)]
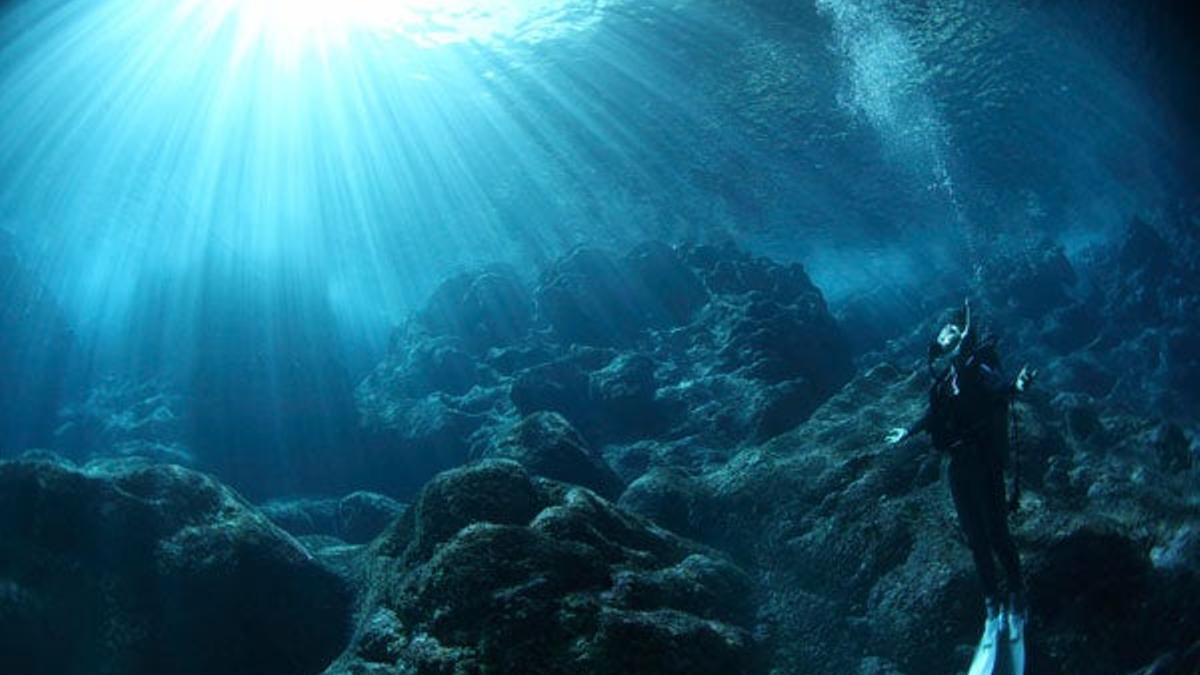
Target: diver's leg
[(998, 535), (967, 488)]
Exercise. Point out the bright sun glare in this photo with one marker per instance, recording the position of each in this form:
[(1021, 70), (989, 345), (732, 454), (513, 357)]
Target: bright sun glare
[(291, 27)]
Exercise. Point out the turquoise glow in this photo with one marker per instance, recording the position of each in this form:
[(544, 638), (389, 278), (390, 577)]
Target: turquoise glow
[(355, 148)]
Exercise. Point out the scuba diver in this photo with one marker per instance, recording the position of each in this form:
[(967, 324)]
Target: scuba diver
[(968, 418)]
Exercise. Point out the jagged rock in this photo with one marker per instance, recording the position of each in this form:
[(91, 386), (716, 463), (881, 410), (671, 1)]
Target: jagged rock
[(1082, 374), (546, 445), (1142, 250), (492, 569), (420, 365), (134, 568), (631, 460), (411, 439), (1116, 321), (775, 340), (1099, 607), (1181, 552), (664, 344), (1080, 415), (1070, 328), (1172, 448)]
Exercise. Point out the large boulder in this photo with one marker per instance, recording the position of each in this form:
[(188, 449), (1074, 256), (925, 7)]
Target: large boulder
[(492, 570), (134, 568)]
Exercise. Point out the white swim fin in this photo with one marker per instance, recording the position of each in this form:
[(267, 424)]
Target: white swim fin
[(1015, 641), (985, 654)]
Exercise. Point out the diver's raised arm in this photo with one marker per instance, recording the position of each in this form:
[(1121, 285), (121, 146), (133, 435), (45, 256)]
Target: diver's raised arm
[(966, 317)]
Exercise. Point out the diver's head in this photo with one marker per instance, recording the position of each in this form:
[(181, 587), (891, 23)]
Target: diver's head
[(949, 337)]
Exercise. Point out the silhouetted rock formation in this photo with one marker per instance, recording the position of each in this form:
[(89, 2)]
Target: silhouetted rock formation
[(698, 342), (130, 567)]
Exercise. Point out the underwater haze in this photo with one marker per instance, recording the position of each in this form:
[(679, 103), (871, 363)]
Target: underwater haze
[(548, 336)]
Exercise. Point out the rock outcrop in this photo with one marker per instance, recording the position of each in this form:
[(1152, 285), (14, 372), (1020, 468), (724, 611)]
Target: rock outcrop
[(863, 565), (134, 568), (493, 570), (656, 462), (697, 342)]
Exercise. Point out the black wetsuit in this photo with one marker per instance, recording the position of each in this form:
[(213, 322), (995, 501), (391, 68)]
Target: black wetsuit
[(968, 418)]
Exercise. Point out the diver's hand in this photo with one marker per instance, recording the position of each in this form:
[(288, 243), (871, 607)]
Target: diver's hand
[(896, 435), (1025, 378)]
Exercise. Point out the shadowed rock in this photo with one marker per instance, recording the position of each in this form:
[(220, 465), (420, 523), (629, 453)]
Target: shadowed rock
[(145, 569)]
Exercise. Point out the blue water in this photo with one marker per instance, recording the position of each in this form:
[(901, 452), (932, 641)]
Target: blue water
[(243, 198)]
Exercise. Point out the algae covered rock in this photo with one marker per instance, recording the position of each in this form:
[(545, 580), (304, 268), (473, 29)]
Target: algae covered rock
[(133, 568), (494, 570)]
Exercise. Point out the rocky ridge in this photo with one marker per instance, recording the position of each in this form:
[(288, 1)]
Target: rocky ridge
[(627, 479)]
